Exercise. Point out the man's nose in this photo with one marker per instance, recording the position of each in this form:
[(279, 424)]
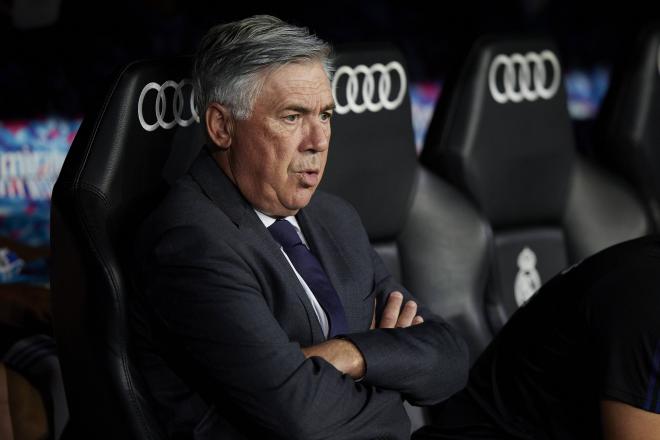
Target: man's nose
[(317, 135)]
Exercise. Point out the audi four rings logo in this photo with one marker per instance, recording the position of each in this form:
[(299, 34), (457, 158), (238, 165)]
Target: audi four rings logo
[(372, 98), (160, 107), (525, 77)]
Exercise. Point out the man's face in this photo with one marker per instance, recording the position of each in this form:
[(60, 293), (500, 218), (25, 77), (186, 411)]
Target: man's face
[(277, 156)]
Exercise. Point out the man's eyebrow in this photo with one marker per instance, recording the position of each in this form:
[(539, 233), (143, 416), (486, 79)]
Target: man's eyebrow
[(304, 110)]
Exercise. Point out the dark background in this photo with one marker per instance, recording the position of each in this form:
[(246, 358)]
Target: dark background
[(60, 67)]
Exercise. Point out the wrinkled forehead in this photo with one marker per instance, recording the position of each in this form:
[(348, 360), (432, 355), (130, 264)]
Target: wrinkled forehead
[(306, 82)]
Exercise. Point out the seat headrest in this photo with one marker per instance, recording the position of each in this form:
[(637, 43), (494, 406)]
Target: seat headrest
[(372, 156), (148, 112), (629, 129), (502, 132)]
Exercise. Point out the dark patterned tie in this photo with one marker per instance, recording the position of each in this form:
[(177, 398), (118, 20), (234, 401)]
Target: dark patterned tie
[(310, 269)]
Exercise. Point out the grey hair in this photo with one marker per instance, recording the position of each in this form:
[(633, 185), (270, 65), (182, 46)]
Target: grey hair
[(232, 58)]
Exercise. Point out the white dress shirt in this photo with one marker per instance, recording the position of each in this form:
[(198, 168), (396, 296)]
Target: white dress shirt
[(320, 313)]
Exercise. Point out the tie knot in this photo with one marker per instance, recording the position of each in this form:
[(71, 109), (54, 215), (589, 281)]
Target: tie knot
[(284, 233)]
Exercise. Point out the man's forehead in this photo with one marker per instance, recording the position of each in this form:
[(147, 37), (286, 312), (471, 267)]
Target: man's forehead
[(309, 100), (298, 84)]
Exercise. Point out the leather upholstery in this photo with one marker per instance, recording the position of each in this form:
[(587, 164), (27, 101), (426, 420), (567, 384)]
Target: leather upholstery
[(512, 153), (628, 135), (505, 155), (112, 177), (372, 160), (445, 245)]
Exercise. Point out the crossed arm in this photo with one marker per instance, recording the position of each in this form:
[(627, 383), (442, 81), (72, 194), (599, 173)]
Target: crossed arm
[(346, 357)]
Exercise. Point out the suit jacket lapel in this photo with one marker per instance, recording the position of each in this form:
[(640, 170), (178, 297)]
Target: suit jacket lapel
[(217, 186)]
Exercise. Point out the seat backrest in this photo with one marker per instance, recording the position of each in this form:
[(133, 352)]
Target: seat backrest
[(372, 158), (372, 164), (501, 135), (114, 174), (628, 134)]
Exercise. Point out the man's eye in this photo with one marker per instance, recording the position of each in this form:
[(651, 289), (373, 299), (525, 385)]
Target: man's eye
[(326, 116), (291, 118)]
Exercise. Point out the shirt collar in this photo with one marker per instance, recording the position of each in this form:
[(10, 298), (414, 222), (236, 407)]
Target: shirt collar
[(268, 220)]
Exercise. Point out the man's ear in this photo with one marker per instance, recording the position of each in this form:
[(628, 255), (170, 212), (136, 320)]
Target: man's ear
[(219, 125)]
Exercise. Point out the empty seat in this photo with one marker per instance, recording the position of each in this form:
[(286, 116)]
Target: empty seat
[(502, 136)]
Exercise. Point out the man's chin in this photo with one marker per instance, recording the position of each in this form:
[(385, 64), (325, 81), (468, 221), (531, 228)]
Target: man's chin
[(300, 200)]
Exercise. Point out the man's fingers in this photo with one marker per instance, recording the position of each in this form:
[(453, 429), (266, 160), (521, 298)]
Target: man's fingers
[(391, 311), (407, 314), (396, 316), (373, 317)]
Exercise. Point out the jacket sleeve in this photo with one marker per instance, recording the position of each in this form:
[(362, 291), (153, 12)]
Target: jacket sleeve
[(211, 304), (426, 363)]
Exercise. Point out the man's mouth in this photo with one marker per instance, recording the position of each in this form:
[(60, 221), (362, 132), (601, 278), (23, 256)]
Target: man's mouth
[(309, 177)]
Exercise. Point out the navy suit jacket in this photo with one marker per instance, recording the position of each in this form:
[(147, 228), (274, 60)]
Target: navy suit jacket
[(222, 319)]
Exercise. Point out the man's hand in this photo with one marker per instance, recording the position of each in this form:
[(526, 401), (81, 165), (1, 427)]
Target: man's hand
[(394, 316), (342, 354)]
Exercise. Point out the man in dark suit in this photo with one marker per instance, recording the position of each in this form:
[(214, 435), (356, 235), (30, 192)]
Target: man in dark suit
[(266, 313)]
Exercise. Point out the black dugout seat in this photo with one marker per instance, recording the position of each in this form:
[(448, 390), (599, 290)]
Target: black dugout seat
[(372, 159), (628, 133), (372, 163), (113, 176), (502, 136)]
